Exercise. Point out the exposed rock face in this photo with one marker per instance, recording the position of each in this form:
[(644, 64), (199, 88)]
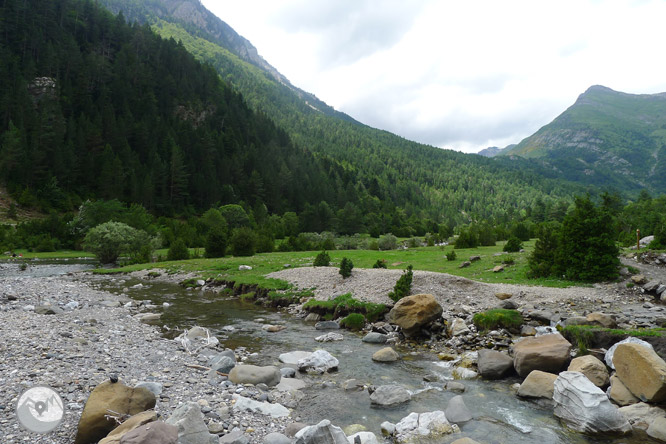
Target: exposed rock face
[(386, 354), (191, 426), (411, 313), (642, 371), (619, 393), (538, 384), (117, 397), (320, 361), (388, 395), (584, 407), (608, 357), (593, 368), (252, 374), (549, 353), (494, 364), (322, 433)]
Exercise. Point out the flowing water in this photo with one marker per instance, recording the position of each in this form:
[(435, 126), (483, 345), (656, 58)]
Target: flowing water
[(499, 416)]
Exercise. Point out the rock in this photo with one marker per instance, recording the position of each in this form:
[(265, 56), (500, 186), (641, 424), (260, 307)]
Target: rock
[(352, 384), (389, 395), (651, 287), (641, 415), (638, 279), (320, 361), (130, 424), (528, 330), (411, 313), (327, 325), (493, 364), (273, 328), (602, 319), (455, 386), (265, 408), (354, 428), (244, 268), (387, 428), (322, 433), (498, 268), (386, 354), (474, 258), (363, 438), (538, 384), (154, 387), (424, 427), (575, 320), (235, 437), (154, 433), (222, 362), (117, 397), (584, 407), (287, 372), (148, 317), (456, 410), (289, 384), (71, 305), (312, 317), (593, 368), (292, 358), (276, 438), (191, 426), (48, 310), (464, 373), (465, 441), (642, 371), (197, 332), (608, 357), (657, 429), (252, 374), (457, 328), (464, 264), (329, 337), (293, 428), (619, 393), (548, 353), (503, 296), (375, 338)]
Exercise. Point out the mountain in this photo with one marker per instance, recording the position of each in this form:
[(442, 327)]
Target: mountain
[(493, 151), (606, 138)]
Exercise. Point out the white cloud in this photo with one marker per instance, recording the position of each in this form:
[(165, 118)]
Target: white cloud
[(455, 74)]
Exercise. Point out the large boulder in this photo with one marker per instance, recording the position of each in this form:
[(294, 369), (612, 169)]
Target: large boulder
[(320, 361), (593, 368), (113, 396), (292, 358), (641, 415), (389, 395), (375, 338), (548, 353), (322, 433), (153, 433), (493, 364), (608, 357), (642, 371), (601, 319), (130, 424), (584, 407), (538, 384), (191, 426), (252, 374), (619, 393), (423, 427), (411, 313)]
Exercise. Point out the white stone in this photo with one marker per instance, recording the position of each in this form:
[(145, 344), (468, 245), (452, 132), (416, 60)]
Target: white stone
[(265, 408), (320, 361), (364, 437), (292, 358)]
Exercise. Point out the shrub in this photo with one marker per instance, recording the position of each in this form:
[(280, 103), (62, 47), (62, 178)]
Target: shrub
[(508, 260), (466, 239), (403, 287), (178, 251), (387, 242), (498, 318), (265, 243), (111, 239), (343, 305), (327, 244), (322, 260), (243, 242), (216, 242), (542, 260), (513, 245), (451, 255), (346, 267), (381, 263), (353, 321)]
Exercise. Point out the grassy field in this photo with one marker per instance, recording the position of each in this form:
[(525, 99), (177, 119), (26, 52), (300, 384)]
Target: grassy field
[(63, 254)]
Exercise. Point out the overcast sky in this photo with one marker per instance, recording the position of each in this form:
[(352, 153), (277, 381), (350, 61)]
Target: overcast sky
[(456, 74)]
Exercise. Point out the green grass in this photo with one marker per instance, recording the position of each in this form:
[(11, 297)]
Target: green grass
[(583, 335), (343, 305), (353, 321), (498, 318), (64, 254)]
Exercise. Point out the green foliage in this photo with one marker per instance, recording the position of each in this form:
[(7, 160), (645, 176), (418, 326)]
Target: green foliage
[(451, 255), (322, 260), (381, 263), (346, 266), (513, 245), (542, 260), (178, 251), (343, 305), (353, 321), (498, 318), (111, 239), (387, 242), (467, 238), (216, 242), (403, 286), (243, 242)]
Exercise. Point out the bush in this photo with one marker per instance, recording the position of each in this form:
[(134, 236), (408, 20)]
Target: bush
[(513, 245), (327, 244), (111, 239), (403, 287), (353, 321), (381, 263), (451, 255), (387, 242), (542, 260), (346, 267), (466, 239), (178, 251), (322, 260), (265, 243), (216, 242), (498, 318), (243, 242)]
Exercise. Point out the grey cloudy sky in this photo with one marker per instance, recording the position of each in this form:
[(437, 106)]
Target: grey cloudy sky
[(456, 74)]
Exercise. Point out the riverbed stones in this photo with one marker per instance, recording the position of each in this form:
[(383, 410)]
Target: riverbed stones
[(252, 374), (363, 438), (608, 357), (276, 438), (642, 371), (538, 384), (289, 384), (549, 353), (638, 279), (154, 433), (327, 325), (430, 426), (493, 364), (222, 362), (412, 313), (457, 327), (389, 395), (465, 441), (375, 338), (619, 393), (641, 415), (320, 361), (293, 357), (130, 424), (503, 296), (584, 407), (602, 319), (456, 410), (116, 397), (265, 408), (330, 337), (191, 426), (593, 368), (386, 354), (322, 433), (235, 437)]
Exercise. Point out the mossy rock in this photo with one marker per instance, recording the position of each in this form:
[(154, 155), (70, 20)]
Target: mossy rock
[(353, 321), (498, 318)]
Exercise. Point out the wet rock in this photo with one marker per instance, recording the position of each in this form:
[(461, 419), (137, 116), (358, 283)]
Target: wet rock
[(584, 407), (608, 357), (455, 386), (456, 410), (273, 328), (153, 433), (292, 358), (312, 317), (428, 426), (527, 330), (252, 374), (593, 368), (130, 424), (389, 395), (287, 372), (322, 433), (642, 371), (375, 338), (386, 354), (619, 393), (548, 353), (538, 384), (412, 313), (320, 361), (387, 428), (191, 426), (265, 408), (493, 364), (465, 441), (327, 325), (329, 337)]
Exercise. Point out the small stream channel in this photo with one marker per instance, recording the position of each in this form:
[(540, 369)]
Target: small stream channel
[(499, 416)]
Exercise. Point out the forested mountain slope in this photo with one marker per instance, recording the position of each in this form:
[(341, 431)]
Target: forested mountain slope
[(605, 138)]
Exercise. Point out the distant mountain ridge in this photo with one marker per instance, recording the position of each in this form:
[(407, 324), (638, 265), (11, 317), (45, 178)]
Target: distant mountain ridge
[(606, 138)]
